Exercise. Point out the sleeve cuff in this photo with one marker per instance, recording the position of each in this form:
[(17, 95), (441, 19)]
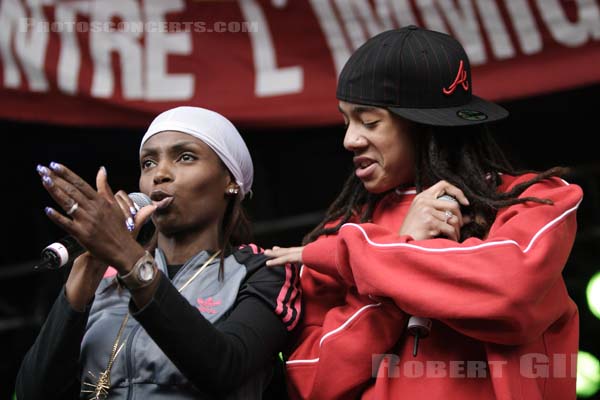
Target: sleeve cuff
[(159, 294), (320, 255)]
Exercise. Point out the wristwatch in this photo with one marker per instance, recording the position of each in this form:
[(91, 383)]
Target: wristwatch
[(141, 275)]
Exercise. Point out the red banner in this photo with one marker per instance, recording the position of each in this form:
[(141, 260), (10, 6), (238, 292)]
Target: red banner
[(263, 63)]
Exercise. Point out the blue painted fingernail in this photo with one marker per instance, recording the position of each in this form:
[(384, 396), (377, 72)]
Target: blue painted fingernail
[(130, 225), (42, 170), (54, 166), (47, 181), (133, 211), (48, 210)]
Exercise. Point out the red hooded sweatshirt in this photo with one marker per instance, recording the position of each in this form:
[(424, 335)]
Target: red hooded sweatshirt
[(503, 324)]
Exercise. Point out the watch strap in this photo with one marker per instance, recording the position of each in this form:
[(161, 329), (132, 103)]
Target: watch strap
[(132, 280)]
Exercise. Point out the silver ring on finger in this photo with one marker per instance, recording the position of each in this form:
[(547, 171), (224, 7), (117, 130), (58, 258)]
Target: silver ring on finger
[(448, 215), (73, 208)]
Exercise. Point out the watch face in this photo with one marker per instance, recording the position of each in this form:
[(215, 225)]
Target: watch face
[(146, 271)]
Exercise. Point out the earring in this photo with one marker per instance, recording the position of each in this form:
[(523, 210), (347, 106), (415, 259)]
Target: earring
[(232, 190)]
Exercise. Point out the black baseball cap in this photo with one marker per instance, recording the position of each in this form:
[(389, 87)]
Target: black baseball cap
[(418, 74)]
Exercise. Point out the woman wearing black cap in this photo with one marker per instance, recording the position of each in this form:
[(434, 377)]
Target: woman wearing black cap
[(436, 273)]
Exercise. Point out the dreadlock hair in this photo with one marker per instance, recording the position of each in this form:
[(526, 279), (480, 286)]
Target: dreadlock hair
[(466, 157)]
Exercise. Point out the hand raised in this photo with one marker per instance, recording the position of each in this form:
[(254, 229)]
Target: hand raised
[(96, 219)]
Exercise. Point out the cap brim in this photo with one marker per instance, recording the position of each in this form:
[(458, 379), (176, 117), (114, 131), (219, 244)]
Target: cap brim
[(477, 111)]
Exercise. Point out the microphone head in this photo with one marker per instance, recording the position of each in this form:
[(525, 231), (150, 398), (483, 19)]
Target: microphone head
[(445, 196), (140, 199)]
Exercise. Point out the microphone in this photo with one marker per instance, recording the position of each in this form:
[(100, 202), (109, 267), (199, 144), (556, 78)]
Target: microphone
[(420, 327), (65, 250)]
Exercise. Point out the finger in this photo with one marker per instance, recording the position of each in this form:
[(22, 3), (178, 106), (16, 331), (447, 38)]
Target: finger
[(437, 189), (274, 252), (143, 216), (283, 256), (454, 223), (454, 208), (453, 220), (447, 230), (136, 224), (458, 195), (103, 186), (130, 204), (74, 179), (441, 216), (66, 200), (123, 204), (278, 262), (277, 251), (54, 181), (61, 221), (443, 187)]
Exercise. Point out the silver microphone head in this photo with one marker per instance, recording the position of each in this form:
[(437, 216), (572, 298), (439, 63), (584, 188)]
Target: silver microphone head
[(446, 197), (140, 199)]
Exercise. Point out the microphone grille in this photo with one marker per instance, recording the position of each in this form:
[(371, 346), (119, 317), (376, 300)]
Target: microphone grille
[(446, 197), (140, 199)]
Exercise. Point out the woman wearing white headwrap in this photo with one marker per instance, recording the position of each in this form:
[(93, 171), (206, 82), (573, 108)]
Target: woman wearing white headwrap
[(200, 318)]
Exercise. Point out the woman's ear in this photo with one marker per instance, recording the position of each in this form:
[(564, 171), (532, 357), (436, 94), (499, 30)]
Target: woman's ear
[(232, 189)]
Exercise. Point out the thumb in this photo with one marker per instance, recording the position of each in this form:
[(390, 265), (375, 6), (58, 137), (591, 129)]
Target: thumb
[(144, 214), (102, 185)]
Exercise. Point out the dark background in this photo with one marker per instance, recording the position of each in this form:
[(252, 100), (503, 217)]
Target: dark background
[(297, 174)]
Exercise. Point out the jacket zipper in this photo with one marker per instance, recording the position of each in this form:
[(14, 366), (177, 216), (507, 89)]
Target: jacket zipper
[(128, 364), (129, 344)]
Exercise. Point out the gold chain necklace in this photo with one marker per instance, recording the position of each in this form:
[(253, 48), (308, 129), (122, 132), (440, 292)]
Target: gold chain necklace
[(99, 390)]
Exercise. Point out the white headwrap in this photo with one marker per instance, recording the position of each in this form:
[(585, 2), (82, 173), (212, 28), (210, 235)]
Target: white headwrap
[(213, 129)]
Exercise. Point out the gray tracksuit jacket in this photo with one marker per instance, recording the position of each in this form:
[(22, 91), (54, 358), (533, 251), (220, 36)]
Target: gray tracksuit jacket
[(215, 339)]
